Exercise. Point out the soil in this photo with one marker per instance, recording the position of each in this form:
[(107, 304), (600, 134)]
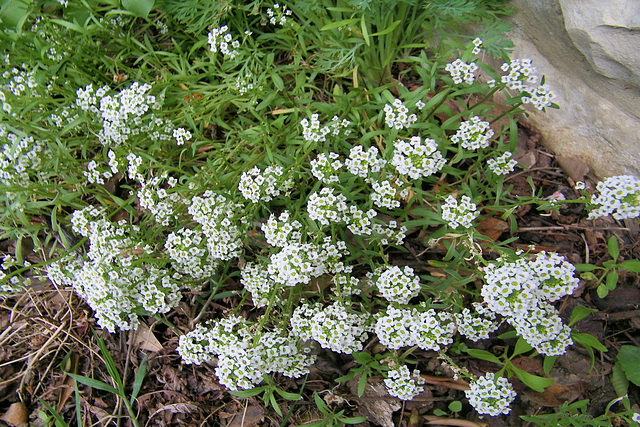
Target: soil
[(47, 331)]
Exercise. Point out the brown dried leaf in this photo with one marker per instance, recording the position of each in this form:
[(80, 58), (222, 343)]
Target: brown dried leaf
[(492, 227), (249, 416), (574, 167), (16, 415), (374, 403), (145, 338)]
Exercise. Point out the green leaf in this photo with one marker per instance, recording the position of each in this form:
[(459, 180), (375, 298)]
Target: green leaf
[(548, 363), (534, 382), (139, 8), (455, 406), (619, 380), (362, 357), (248, 393), (602, 291), (580, 312), (343, 23), (586, 267), (629, 358), (287, 395), (632, 265), (387, 30), (365, 31), (522, 346), (613, 248), (322, 407), (612, 280), (587, 340), (274, 404), (588, 276), (108, 361), (97, 384), (508, 335), (139, 378), (353, 420), (13, 14), (484, 355), (362, 384)]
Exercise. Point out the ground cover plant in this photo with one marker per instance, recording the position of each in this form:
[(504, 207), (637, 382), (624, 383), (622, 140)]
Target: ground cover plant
[(316, 205)]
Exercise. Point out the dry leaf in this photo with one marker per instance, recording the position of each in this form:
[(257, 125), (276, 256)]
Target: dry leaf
[(146, 339), (16, 415), (250, 415), (374, 403), (574, 167), (492, 227)]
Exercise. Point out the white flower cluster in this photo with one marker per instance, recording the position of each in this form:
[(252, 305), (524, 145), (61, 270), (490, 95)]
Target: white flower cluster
[(243, 85), (519, 72), (406, 327), (313, 130), (384, 194), (390, 233), (256, 185), (619, 196), (181, 135), (363, 163), (360, 222), (157, 200), (502, 164), (256, 279), (473, 134), (403, 384), (281, 231), (243, 360), (189, 253), (397, 115), (222, 224), (20, 158), (327, 207), (125, 114), (491, 396), (477, 45), (278, 15), (18, 81), (518, 290), (540, 96), (476, 325), (417, 158), (398, 285), (113, 285), (459, 214), (543, 329), (335, 327), (14, 283), (300, 262), (221, 40), (326, 167), (461, 71)]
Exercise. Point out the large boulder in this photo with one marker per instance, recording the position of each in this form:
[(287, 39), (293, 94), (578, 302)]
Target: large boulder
[(589, 51)]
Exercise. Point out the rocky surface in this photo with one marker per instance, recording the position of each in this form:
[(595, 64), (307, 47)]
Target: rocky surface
[(589, 52)]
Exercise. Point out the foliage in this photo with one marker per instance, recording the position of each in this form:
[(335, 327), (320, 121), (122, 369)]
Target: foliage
[(278, 158)]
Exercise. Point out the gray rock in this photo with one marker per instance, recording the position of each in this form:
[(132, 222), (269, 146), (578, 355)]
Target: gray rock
[(590, 54)]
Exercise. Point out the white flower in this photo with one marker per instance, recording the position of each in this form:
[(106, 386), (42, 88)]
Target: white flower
[(461, 71), (398, 285), (256, 185), (473, 134), (502, 164), (491, 396), (459, 214), (417, 158), (619, 196), (397, 115), (403, 384)]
